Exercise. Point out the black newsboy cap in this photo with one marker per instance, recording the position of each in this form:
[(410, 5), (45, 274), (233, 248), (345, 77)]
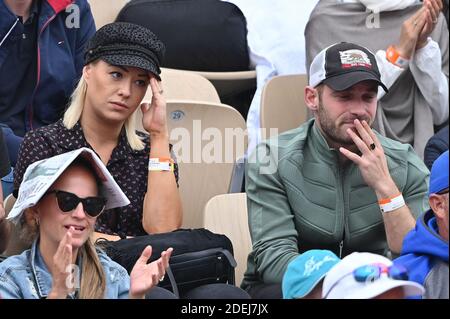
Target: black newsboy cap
[(126, 44)]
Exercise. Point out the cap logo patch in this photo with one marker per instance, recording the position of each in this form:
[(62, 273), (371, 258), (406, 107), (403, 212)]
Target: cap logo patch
[(311, 265), (354, 58)]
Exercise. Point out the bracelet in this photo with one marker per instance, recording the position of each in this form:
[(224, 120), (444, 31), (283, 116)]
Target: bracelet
[(390, 204), (393, 56), (161, 164)]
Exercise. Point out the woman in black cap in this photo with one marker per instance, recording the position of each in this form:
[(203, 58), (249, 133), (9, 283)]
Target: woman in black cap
[(121, 61)]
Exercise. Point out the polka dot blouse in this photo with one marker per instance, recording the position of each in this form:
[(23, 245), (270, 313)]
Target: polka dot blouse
[(127, 166)]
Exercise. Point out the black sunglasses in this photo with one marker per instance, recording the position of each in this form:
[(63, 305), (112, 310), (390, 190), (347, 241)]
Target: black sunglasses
[(67, 202)]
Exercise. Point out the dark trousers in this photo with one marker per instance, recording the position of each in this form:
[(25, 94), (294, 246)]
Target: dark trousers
[(266, 291), (211, 291), (216, 291)]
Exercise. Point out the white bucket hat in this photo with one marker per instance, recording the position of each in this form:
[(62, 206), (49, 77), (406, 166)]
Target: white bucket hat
[(41, 175)]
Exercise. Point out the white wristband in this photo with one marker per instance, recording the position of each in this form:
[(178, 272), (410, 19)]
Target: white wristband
[(390, 204), (155, 165)]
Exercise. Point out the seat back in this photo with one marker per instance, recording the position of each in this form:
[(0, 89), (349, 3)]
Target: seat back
[(185, 85), (229, 83), (282, 103), (208, 37), (207, 139), (200, 35), (227, 214), (106, 11)]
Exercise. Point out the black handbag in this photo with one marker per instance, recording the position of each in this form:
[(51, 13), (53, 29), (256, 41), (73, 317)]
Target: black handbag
[(199, 257)]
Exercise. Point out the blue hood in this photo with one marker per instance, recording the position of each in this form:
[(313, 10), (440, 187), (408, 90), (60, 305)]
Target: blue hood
[(421, 247)]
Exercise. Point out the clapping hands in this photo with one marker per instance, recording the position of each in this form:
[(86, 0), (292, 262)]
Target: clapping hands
[(145, 276)]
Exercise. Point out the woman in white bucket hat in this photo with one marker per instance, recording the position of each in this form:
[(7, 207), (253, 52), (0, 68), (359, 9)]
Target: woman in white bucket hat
[(58, 204)]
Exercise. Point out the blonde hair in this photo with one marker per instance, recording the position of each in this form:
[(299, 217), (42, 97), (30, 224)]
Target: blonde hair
[(93, 279), (75, 109)]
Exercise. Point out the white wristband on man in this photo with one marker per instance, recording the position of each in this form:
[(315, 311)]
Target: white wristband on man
[(389, 204)]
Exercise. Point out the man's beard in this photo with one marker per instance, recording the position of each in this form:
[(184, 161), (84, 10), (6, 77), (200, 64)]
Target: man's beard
[(332, 132)]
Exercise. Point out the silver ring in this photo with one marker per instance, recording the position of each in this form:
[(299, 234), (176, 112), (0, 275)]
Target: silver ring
[(372, 146), (161, 279)]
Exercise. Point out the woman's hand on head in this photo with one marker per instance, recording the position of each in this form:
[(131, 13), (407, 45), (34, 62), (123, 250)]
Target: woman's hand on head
[(145, 276), (154, 118)]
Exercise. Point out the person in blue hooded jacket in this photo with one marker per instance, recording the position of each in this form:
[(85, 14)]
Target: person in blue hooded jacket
[(425, 248)]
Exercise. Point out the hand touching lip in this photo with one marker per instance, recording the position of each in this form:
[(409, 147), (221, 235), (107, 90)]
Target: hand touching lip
[(351, 119)]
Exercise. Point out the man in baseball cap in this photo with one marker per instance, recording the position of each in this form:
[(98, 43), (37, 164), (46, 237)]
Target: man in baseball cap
[(338, 184), (342, 65), (425, 248)]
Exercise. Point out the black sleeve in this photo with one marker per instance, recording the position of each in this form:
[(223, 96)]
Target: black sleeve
[(5, 167)]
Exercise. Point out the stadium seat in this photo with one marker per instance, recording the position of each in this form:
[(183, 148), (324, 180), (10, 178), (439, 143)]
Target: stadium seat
[(203, 36), (227, 214), (229, 83), (282, 103), (185, 85), (207, 139), (106, 11)]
